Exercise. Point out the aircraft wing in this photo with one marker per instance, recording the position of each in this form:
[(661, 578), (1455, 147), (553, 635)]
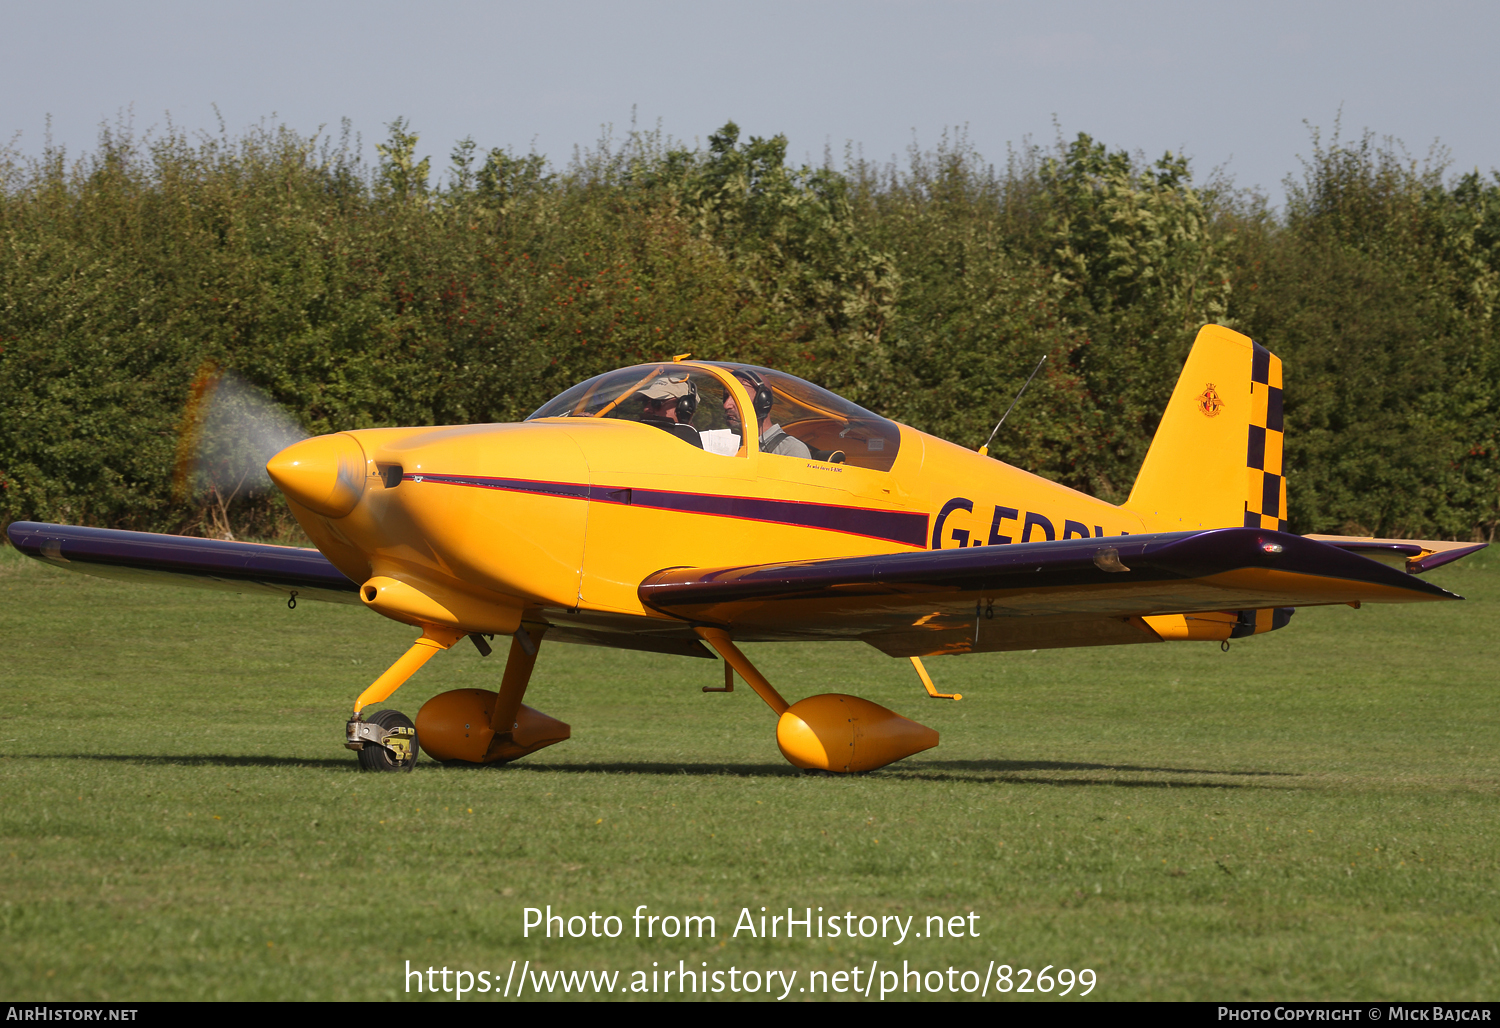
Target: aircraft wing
[(1028, 595), (184, 560)]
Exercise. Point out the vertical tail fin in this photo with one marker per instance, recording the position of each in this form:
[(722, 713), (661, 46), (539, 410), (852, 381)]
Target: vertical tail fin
[(1216, 459)]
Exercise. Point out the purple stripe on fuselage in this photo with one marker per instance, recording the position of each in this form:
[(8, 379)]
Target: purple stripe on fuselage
[(509, 485), (893, 525)]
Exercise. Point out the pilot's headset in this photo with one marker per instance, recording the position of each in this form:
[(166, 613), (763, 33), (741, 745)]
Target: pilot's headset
[(761, 396)]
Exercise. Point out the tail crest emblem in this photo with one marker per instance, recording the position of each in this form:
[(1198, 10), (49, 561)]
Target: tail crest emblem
[(1209, 402)]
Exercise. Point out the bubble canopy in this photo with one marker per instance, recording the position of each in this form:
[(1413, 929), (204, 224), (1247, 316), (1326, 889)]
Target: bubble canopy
[(829, 427)]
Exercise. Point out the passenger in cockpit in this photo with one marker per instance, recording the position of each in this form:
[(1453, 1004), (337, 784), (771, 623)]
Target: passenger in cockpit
[(669, 403), (773, 438)]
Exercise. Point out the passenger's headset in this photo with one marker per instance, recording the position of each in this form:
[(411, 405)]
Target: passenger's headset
[(687, 405), (761, 401)]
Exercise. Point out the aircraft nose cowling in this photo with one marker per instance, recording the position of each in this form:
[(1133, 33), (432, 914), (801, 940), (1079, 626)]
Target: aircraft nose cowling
[(325, 474)]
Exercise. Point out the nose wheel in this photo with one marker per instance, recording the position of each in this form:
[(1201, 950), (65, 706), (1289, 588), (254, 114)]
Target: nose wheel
[(385, 742)]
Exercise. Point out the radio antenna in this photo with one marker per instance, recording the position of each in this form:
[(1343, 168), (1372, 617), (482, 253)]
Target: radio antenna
[(984, 451)]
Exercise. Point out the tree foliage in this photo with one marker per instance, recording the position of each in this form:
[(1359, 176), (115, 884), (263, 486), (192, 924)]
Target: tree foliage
[(357, 296)]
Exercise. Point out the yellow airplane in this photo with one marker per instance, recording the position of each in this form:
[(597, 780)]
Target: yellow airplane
[(667, 506)]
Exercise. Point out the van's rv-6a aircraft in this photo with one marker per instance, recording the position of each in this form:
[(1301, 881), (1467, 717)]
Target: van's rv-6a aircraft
[(636, 511)]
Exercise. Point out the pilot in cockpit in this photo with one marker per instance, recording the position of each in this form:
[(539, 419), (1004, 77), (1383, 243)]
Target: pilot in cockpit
[(773, 438), (669, 403)]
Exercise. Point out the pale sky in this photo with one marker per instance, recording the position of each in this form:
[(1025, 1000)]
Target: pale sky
[(1228, 84)]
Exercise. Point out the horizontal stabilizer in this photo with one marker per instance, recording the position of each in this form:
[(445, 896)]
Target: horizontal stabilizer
[(1412, 555), (185, 560)]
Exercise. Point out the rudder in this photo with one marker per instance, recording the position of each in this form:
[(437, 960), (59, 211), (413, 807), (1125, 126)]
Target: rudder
[(1216, 458)]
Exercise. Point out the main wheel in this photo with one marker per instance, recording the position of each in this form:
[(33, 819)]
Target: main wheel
[(379, 758)]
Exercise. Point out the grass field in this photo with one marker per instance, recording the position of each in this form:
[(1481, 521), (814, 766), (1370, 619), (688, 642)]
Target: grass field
[(1311, 815)]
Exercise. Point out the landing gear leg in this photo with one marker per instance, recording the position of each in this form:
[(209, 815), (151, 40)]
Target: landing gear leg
[(832, 732), (388, 740), (519, 664), (719, 640)]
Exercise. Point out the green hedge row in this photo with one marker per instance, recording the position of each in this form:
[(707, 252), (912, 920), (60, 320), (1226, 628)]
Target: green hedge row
[(357, 296)]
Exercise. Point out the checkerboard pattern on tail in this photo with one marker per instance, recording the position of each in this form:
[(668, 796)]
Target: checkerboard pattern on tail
[(1265, 498)]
